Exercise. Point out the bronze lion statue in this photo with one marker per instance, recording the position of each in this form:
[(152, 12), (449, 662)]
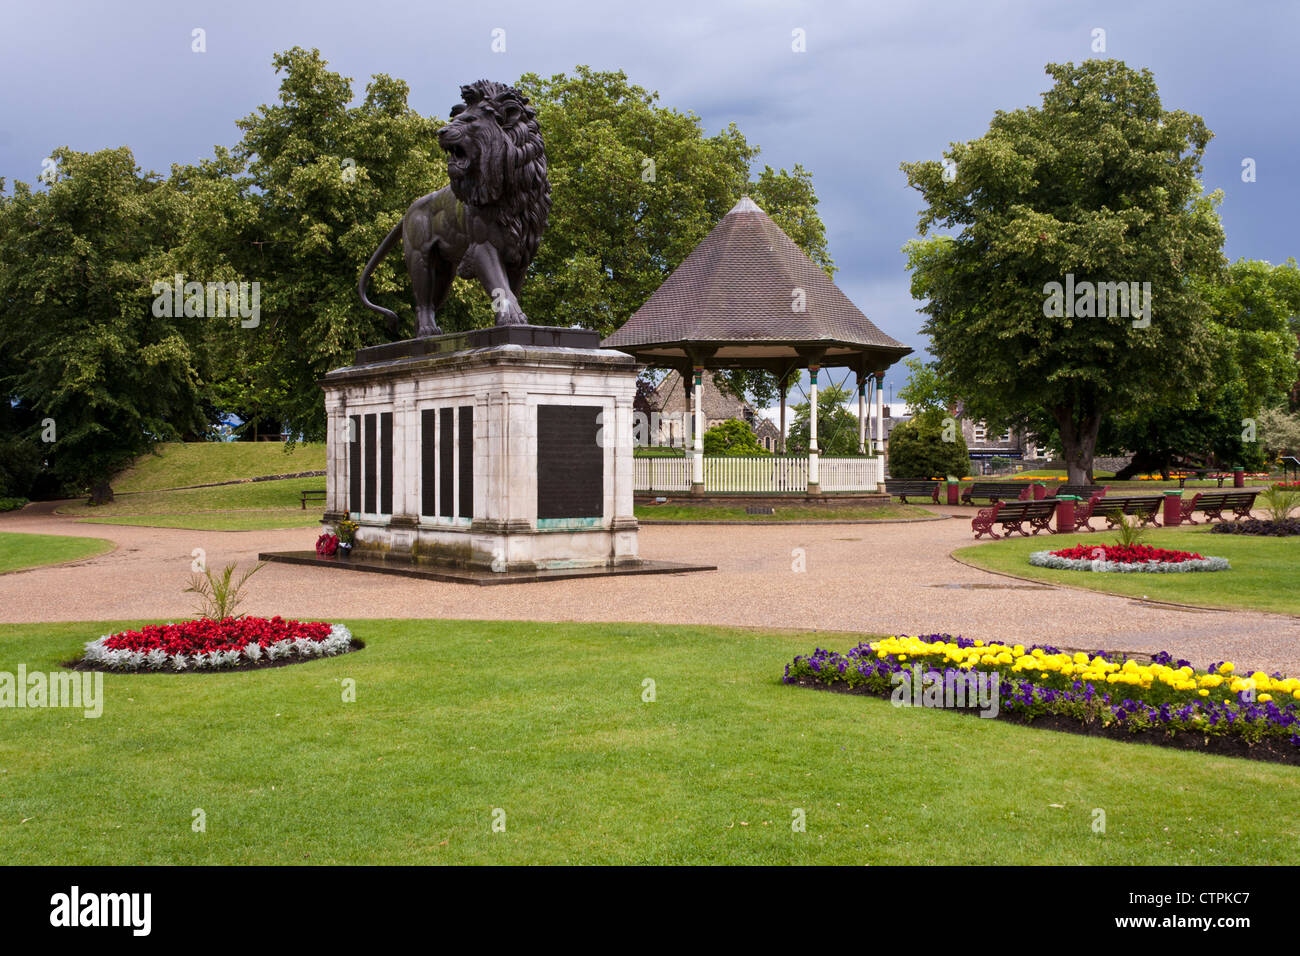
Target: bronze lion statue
[(488, 222)]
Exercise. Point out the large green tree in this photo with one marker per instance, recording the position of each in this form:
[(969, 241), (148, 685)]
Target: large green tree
[(1098, 185), (298, 205), (98, 375), (1251, 367)]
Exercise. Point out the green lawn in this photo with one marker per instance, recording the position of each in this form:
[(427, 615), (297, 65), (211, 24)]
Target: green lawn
[(1265, 573), (782, 513), (249, 506), (181, 464), (19, 551), (546, 722)]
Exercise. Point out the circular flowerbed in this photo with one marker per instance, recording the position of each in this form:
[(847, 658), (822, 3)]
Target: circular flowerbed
[(1125, 559), (235, 643)]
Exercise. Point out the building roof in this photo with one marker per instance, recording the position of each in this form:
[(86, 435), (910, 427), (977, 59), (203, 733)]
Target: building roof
[(671, 397), (732, 303)]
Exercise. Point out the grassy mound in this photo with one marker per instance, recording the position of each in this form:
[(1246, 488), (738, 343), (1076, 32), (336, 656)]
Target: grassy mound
[(181, 465)]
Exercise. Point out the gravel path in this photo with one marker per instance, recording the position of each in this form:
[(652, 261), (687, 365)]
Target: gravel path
[(882, 578)]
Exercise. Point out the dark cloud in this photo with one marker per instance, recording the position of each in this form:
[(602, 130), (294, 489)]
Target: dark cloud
[(879, 84)]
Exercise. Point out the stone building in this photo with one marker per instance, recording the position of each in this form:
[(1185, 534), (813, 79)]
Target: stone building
[(670, 416)]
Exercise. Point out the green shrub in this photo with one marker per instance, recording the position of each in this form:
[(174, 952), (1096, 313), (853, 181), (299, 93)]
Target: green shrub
[(732, 437), (918, 449)]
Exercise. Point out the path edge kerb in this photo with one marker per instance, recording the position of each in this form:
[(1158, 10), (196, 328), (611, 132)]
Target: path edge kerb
[(812, 521), (1075, 587)]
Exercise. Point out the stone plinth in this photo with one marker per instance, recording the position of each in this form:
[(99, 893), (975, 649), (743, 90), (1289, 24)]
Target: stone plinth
[(506, 449)]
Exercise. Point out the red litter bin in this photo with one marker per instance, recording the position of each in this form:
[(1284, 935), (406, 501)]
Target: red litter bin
[(1065, 513), (954, 492), (1238, 476), (1040, 491), (1173, 509)]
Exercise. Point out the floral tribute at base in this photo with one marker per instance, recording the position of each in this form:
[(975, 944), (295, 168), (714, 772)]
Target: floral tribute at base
[(207, 644), (1164, 700), (1126, 558)]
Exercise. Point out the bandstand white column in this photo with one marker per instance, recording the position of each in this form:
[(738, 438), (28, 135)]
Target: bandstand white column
[(697, 446), (862, 414), (814, 478), (880, 413)]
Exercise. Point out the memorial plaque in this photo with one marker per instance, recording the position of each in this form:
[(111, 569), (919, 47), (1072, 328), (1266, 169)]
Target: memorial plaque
[(354, 464), (570, 462), (428, 461), (446, 459), (386, 457), (466, 442), (371, 454)]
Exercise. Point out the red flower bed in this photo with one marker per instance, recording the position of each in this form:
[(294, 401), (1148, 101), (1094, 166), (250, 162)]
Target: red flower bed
[(205, 635), (1132, 554)]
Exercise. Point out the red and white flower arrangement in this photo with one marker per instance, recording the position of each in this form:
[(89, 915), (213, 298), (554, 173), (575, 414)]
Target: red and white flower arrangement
[(1125, 558), (207, 644)]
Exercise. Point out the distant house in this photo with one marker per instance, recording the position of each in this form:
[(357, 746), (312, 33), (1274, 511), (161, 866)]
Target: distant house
[(674, 422), (985, 444)]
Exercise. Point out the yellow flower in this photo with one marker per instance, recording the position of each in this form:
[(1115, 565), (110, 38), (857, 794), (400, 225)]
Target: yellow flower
[(1205, 693), (1226, 668), (1265, 698)]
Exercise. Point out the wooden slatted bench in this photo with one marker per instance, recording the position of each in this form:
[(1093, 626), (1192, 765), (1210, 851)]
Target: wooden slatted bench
[(915, 488), (995, 491), (313, 495), (1143, 507), (1213, 503), (1012, 515)]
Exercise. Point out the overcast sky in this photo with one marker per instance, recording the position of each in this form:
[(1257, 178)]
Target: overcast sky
[(879, 83)]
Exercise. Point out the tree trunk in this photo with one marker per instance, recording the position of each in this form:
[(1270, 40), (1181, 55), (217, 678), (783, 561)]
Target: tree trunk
[(101, 493), (1079, 430)]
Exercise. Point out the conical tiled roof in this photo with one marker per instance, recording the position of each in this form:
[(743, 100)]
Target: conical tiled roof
[(736, 297)]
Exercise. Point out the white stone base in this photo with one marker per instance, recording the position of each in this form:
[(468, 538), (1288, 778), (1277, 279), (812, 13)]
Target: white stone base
[(504, 383)]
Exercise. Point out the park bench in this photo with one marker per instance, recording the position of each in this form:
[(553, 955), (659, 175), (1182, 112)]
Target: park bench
[(1084, 510), (1143, 507), (1213, 503), (1012, 515), (313, 495), (1079, 491), (1182, 479), (995, 491), (917, 489)]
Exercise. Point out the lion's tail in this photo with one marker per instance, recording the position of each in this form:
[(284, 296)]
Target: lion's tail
[(385, 247)]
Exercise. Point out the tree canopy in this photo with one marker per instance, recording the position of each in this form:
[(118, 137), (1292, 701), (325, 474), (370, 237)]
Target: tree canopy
[(1100, 184), (315, 181), (93, 376)]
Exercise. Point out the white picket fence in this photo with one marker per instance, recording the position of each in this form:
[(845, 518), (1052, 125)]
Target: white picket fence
[(661, 474), (850, 474), (761, 473)]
